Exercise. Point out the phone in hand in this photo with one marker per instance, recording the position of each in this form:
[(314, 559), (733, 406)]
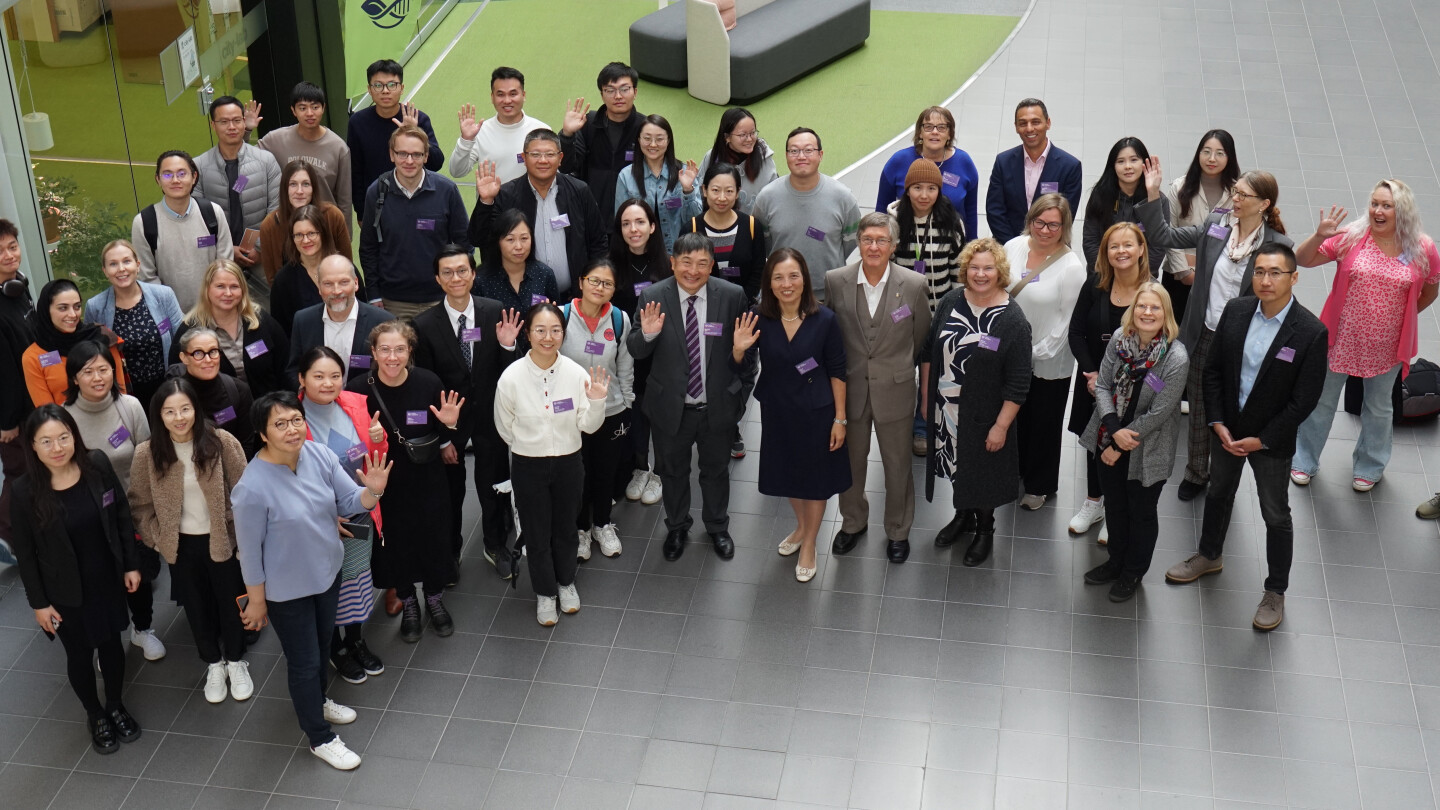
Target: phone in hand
[(54, 628), (243, 601)]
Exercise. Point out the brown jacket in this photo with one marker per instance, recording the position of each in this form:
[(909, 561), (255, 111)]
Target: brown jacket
[(156, 500)]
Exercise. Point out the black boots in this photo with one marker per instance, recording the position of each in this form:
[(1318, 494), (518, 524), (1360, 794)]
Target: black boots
[(964, 522), (410, 625), (984, 541)]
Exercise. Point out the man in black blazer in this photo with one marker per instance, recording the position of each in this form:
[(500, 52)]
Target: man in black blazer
[(1009, 197), (467, 341), (565, 222), (1263, 377), (693, 400), (341, 322)]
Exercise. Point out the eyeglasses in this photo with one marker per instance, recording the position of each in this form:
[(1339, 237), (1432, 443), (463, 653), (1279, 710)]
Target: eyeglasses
[(181, 413), (660, 140), (1042, 225), (198, 355), (599, 283), (307, 236), (404, 156), (230, 122), (183, 174), (294, 421), (806, 152), (95, 373), (746, 136), (1272, 275), (548, 331), (934, 127), (612, 92), (869, 241), (1237, 195), (1149, 308), (378, 86), (63, 440), (392, 351), (542, 155), (449, 275)]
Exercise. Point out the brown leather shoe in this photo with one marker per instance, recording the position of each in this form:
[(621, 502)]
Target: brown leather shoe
[(393, 605)]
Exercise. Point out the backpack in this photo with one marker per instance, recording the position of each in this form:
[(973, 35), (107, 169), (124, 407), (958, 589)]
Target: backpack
[(617, 321), (150, 222), (1415, 397)]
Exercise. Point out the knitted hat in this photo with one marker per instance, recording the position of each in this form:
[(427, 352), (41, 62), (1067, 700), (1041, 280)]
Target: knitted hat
[(922, 171)]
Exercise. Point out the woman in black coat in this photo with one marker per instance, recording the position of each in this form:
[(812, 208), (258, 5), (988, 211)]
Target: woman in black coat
[(975, 369), (74, 540), (253, 347)]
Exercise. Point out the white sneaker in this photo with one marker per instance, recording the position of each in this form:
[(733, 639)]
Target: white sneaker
[(241, 687), (338, 715), (337, 755), (569, 599), (1091, 512), (215, 690), (1104, 538), (1032, 502), (1184, 408), (608, 539), (637, 484), (651, 495), (545, 611), (583, 549), (150, 643)]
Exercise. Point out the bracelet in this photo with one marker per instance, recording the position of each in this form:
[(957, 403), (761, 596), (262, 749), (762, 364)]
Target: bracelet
[(842, 422), (378, 495)]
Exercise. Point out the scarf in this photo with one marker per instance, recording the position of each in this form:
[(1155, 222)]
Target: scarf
[(48, 336), (1136, 361), (1237, 249)]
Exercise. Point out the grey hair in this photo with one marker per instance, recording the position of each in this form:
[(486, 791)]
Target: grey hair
[(880, 219), (197, 332), (1411, 238)]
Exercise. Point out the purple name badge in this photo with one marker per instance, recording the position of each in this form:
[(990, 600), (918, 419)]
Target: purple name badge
[(240, 183), (1049, 188), (108, 498), (713, 329), (1153, 380), (950, 179), (416, 417), (673, 203), (1141, 226), (642, 285), (355, 453), (471, 334), (815, 233), (537, 299), (900, 314), (424, 224), (1217, 231), (1223, 210), (1286, 353), (225, 415), (164, 325), (730, 271), (49, 359), (208, 240), (630, 155), (256, 349), (563, 405), (808, 366), (519, 157), (560, 222), (119, 437), (594, 347), (990, 343), (919, 265), (360, 361)]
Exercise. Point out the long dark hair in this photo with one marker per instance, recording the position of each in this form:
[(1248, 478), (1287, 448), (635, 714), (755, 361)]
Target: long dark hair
[(769, 304), (505, 222), (943, 216), (1228, 175), (657, 261), (47, 503), (311, 214), (669, 161), (202, 434), (78, 358), (294, 167), (1105, 196), (720, 151)]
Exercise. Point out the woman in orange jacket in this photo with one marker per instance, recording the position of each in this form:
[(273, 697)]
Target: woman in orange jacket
[(57, 324)]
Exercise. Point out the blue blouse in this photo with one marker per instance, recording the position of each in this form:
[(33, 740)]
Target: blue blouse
[(960, 182)]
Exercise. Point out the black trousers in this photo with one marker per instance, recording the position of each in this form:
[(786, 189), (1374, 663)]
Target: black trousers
[(601, 452), (142, 605), (79, 666), (1131, 515), (712, 437), (492, 466), (547, 495), (1038, 430), (1272, 483), (1092, 477), (208, 589)]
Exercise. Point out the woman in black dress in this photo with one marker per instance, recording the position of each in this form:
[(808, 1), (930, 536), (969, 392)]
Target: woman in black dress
[(801, 391), (975, 368), (74, 540), (297, 285), (637, 250), (416, 544)]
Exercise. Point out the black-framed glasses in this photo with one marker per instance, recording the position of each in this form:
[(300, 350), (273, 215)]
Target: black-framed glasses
[(378, 86), (198, 355)]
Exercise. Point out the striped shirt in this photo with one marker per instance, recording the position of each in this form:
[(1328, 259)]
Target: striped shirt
[(939, 249)]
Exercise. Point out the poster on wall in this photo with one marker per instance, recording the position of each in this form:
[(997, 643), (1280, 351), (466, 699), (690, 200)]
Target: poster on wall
[(189, 57), (375, 29)]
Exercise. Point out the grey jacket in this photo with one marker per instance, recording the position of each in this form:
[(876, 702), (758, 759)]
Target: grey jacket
[(1157, 414), (259, 197)]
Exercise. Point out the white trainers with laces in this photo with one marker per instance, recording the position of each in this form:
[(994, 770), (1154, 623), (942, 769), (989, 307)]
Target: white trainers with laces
[(569, 599), (582, 550), (241, 687), (545, 611), (608, 538), (1091, 512), (152, 645), (637, 485), (338, 715), (337, 755), (651, 495), (215, 690)]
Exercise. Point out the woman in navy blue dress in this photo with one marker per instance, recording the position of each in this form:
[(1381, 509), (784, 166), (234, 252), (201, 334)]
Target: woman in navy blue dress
[(801, 391)]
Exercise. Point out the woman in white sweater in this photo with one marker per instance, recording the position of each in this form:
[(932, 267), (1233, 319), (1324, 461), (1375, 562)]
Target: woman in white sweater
[(543, 403)]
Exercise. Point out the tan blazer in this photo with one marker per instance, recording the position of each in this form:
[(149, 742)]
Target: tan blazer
[(156, 501), (882, 370)]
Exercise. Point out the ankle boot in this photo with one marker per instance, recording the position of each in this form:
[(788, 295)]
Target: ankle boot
[(440, 620), (963, 522), (410, 619), (984, 541)]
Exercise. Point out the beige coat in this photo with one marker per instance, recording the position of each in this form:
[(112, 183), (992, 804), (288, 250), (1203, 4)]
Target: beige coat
[(156, 500), (883, 371)]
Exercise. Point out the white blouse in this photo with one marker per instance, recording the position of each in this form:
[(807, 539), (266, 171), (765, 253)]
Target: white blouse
[(1200, 208), (1048, 300), (541, 412)]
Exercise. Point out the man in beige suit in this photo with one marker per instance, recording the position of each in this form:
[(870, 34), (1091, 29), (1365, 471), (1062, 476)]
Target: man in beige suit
[(884, 317)]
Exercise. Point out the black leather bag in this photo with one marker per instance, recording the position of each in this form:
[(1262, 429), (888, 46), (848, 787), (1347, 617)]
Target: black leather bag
[(422, 450)]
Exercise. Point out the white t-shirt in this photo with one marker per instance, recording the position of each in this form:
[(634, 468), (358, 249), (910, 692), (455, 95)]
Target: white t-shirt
[(502, 143), (1224, 285)]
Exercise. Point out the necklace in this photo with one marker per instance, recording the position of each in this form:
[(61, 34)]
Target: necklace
[(790, 320)]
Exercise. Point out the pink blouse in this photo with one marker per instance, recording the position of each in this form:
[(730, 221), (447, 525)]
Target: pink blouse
[(1371, 309)]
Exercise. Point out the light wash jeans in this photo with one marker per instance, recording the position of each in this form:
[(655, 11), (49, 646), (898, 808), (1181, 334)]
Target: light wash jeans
[(1372, 449)]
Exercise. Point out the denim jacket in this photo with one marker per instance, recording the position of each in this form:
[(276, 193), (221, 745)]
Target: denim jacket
[(158, 299), (672, 206)]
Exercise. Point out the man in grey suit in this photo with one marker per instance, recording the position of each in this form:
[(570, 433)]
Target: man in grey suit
[(884, 317), (694, 393)]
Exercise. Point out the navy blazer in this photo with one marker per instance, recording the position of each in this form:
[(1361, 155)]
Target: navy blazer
[(308, 331), (1005, 205)]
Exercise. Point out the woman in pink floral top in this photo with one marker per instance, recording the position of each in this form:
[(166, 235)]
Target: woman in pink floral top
[(1386, 273)]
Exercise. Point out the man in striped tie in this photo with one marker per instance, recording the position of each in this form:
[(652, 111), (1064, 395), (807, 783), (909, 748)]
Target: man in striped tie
[(694, 393)]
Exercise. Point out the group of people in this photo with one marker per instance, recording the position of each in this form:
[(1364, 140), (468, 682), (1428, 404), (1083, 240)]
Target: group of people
[(290, 461)]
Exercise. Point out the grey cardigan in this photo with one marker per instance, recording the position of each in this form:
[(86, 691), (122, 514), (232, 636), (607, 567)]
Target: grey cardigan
[(1157, 414)]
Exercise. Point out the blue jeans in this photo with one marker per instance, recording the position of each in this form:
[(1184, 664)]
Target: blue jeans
[(1372, 449), (304, 627)]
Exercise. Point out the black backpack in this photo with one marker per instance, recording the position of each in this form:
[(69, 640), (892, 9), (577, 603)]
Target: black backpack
[(1415, 397), (150, 222)]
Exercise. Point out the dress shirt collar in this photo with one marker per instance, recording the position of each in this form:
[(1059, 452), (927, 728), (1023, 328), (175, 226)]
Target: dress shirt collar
[(1044, 153), (864, 282), (354, 313), (1279, 316)]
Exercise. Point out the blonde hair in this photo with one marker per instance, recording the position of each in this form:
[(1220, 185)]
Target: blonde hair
[(1102, 261), (985, 244), (201, 315), (397, 326), (1171, 329), (1046, 202), (118, 243), (1413, 241)]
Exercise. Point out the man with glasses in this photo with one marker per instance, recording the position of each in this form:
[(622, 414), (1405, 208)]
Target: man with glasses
[(567, 226), (500, 140), (339, 321), (16, 336), (309, 139), (1033, 168), (242, 179), (410, 213), (806, 210), (599, 144), (370, 129), (1264, 374)]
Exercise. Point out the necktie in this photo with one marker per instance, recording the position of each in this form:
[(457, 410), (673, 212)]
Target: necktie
[(464, 344), (696, 386)]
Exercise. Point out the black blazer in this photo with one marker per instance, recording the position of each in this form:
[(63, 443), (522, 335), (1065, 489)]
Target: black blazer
[(264, 372), (308, 331), (1285, 390), (48, 567), (1005, 206), (1093, 320), (439, 351), (585, 237)]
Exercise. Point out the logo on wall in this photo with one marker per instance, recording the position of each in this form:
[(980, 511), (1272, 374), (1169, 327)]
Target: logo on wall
[(386, 13)]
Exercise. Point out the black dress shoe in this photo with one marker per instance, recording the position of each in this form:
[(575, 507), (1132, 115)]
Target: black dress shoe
[(845, 541), (980, 547), (1124, 588), (102, 735), (963, 522), (724, 545), (1189, 489), (124, 724), (897, 551), (1108, 571), (674, 544)]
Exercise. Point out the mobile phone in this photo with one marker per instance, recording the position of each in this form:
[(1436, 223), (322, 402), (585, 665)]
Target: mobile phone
[(54, 627), (243, 600)]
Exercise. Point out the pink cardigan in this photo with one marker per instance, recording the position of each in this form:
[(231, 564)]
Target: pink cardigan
[(354, 406), (1409, 343)]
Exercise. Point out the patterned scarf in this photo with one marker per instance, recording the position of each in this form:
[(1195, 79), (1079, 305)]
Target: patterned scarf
[(1238, 249), (1135, 363)]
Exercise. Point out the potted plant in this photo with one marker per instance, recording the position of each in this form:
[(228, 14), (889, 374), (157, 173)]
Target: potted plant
[(76, 230)]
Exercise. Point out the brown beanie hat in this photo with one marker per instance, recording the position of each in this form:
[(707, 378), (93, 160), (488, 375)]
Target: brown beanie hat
[(922, 171)]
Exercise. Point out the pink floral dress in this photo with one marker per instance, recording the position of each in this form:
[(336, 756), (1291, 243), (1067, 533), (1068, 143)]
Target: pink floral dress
[(1377, 302)]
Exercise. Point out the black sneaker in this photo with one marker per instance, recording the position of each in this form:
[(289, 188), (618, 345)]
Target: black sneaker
[(440, 620), (1105, 572), (737, 449), (503, 561), (347, 666), (410, 625), (368, 661), (1124, 588)]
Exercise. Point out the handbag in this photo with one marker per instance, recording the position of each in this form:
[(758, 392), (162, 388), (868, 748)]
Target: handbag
[(422, 450), (357, 548)]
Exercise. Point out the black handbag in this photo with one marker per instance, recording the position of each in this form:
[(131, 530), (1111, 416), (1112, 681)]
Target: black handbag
[(422, 450)]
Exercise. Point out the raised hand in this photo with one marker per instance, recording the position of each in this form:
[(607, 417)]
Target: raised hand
[(599, 386), (652, 320), (745, 332), (409, 116), (377, 430), (449, 411), (376, 475), (487, 182), (507, 331), (575, 110), (1330, 225), (469, 127), (1154, 178), (688, 175), (252, 115)]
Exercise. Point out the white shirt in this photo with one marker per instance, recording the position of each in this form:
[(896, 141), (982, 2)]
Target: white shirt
[(454, 315), (1224, 285), (526, 400), (701, 310), (873, 294), (501, 143), (550, 240), (340, 335), (1048, 300)]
